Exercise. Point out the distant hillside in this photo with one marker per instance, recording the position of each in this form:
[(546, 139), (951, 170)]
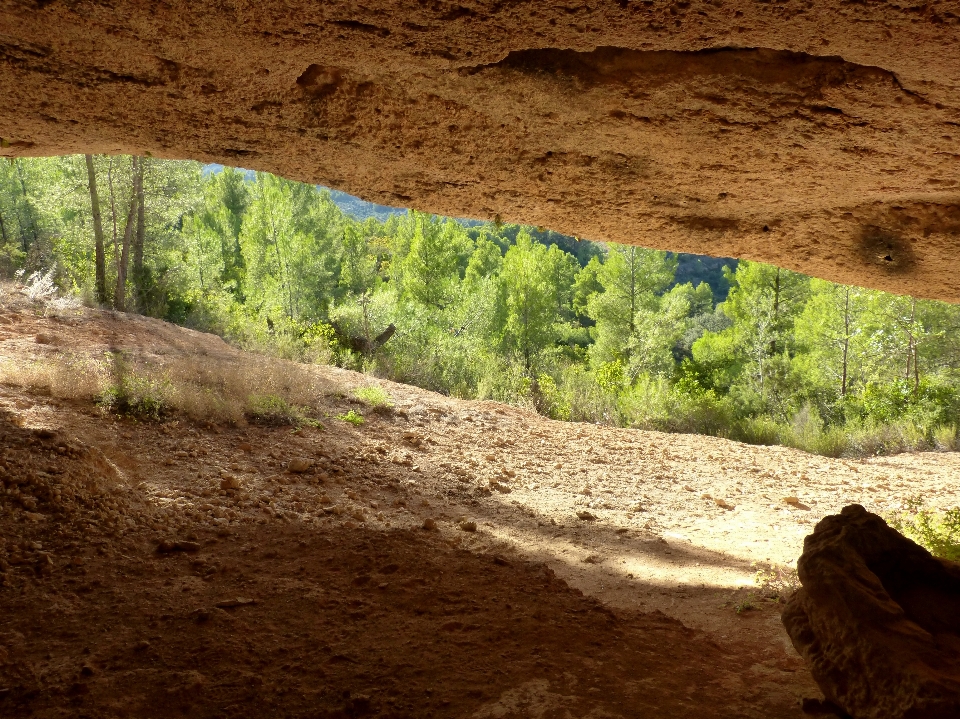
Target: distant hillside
[(700, 268), (361, 209), (353, 206)]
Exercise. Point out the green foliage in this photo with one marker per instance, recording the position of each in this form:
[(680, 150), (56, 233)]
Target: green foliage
[(575, 330), (352, 416), (531, 299), (374, 397), (938, 532), (276, 410), (777, 582), (132, 393), (610, 377)]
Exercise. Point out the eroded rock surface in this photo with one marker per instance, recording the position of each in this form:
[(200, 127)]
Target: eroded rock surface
[(878, 620), (821, 136)]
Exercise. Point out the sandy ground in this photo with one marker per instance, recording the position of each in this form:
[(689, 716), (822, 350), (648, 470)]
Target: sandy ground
[(176, 568)]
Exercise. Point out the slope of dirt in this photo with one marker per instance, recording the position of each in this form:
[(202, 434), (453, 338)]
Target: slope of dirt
[(170, 568), (819, 136)]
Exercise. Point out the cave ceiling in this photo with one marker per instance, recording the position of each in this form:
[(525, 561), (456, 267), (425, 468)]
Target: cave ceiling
[(820, 136)]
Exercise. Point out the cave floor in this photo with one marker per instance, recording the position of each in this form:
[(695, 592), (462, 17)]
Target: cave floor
[(178, 568)]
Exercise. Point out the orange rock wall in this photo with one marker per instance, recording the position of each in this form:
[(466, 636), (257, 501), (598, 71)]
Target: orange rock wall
[(821, 136)]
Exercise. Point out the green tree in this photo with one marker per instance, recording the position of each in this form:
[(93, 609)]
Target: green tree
[(632, 278), (430, 269), (530, 298)]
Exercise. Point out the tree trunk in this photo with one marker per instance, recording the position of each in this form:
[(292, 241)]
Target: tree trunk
[(101, 262), (3, 229), (916, 350), (776, 313), (846, 342), (916, 372), (138, 240), (26, 199), (910, 339), (120, 296)]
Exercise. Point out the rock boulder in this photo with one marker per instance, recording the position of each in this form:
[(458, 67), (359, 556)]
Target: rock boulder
[(877, 620)]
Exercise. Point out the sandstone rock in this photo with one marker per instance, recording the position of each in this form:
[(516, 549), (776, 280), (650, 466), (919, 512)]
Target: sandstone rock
[(795, 503), (685, 114), (877, 620), (235, 602), (586, 516), (723, 504), (468, 526), (230, 482), (429, 524), (168, 546), (299, 465)]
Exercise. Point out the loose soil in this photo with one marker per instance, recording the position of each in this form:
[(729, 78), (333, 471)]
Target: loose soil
[(445, 558)]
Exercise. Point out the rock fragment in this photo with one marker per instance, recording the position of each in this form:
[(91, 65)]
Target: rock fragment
[(168, 546), (299, 465), (877, 620), (235, 602)]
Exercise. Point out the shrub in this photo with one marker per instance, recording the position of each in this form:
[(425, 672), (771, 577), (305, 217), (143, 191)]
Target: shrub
[(806, 431), (353, 417), (274, 409), (946, 437), (758, 430), (586, 399), (938, 532), (374, 397), (132, 393), (550, 399), (777, 582), (884, 439)]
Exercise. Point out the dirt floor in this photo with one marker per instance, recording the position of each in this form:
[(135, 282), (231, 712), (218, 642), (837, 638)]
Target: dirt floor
[(443, 559)]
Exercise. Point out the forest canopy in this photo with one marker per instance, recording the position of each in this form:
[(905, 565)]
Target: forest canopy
[(574, 329)]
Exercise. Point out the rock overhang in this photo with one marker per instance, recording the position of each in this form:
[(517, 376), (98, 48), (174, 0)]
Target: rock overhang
[(823, 137)]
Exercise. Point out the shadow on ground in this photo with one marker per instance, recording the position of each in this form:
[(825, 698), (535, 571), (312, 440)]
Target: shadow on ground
[(299, 622)]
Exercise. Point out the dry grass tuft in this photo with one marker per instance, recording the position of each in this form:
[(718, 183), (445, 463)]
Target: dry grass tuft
[(204, 388)]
